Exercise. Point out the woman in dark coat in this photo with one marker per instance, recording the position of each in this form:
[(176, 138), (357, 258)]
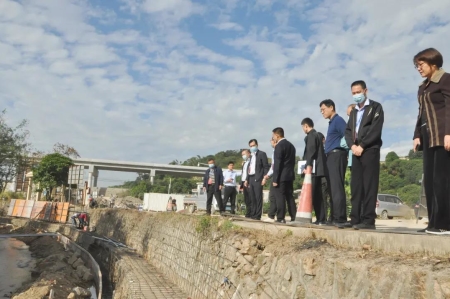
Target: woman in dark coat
[(432, 134)]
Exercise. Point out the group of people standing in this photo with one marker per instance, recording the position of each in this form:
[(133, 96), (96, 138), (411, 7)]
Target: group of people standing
[(354, 143)]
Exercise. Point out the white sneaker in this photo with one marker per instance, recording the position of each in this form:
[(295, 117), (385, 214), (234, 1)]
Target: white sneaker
[(268, 219), (435, 231)]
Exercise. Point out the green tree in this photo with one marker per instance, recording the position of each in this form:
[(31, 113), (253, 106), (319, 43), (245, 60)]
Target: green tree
[(415, 155), (52, 171), (13, 150), (391, 156)]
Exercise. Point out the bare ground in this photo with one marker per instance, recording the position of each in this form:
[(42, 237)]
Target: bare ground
[(52, 272)]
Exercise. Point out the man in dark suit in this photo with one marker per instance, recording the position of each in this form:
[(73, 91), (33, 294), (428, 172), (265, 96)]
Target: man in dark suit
[(283, 175), (212, 185), (258, 167), (363, 136), (315, 156)]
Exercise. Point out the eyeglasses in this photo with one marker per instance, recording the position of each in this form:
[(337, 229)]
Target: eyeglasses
[(418, 65)]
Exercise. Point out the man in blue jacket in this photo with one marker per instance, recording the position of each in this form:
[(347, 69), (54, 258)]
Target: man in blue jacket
[(212, 185)]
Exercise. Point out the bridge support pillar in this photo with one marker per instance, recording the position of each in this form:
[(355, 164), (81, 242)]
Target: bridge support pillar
[(93, 176), (152, 176)]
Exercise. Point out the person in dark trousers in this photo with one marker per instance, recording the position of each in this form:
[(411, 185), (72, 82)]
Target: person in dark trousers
[(283, 175), (247, 200), (349, 159), (229, 180), (363, 137), (272, 201), (432, 135), (314, 155), (336, 161), (326, 191), (257, 169), (212, 185)]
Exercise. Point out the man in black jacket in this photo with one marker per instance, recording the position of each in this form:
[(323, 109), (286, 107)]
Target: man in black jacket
[(258, 167), (363, 136), (283, 175), (212, 185), (314, 155)]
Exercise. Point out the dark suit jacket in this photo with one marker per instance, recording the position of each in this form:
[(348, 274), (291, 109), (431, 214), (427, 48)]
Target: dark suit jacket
[(262, 165), (369, 134), (314, 151), (218, 175), (284, 162)]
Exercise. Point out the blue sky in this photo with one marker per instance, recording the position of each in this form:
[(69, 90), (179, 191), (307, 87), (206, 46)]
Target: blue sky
[(154, 81)]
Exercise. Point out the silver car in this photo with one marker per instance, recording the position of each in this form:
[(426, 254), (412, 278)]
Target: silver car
[(390, 206)]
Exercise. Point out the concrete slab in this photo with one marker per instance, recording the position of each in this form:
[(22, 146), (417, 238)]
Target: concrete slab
[(391, 236)]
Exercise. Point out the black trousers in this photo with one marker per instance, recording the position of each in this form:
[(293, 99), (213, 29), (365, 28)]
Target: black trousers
[(256, 196), (317, 199), (436, 167), (284, 194), (210, 192), (230, 194), (248, 202), (273, 202), (364, 186), (337, 165)]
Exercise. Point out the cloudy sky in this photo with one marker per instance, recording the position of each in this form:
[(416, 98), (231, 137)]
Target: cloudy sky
[(154, 81)]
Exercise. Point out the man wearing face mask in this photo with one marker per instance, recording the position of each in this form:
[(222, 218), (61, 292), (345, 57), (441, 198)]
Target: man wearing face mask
[(257, 169), (283, 175), (248, 202), (363, 136), (212, 185)]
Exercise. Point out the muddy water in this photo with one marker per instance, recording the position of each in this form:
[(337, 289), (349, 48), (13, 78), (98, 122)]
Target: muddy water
[(16, 264)]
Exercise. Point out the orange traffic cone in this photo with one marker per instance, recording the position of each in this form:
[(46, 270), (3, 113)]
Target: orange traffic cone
[(304, 209)]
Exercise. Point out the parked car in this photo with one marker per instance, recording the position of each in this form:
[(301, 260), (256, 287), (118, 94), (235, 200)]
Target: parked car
[(390, 206)]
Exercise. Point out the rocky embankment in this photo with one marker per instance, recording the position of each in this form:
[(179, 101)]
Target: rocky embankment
[(209, 257)]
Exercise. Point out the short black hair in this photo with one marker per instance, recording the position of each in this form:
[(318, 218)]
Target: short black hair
[(231, 162), (210, 159), (253, 140), (430, 56), (360, 83), (308, 121), (246, 150), (329, 103), (279, 131)]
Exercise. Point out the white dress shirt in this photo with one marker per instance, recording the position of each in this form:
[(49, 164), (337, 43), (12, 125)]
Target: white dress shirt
[(244, 171), (271, 167), (252, 164), (229, 174)]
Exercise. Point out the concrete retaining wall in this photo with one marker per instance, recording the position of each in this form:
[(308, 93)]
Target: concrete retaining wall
[(234, 263)]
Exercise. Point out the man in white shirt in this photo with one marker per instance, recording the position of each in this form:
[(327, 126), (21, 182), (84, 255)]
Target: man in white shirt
[(248, 203), (229, 180), (273, 205)]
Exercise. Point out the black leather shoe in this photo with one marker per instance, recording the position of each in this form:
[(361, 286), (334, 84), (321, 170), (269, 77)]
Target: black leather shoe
[(339, 224), (281, 221), (364, 226)]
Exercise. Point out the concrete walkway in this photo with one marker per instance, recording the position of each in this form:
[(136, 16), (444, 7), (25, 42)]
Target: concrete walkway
[(146, 282)]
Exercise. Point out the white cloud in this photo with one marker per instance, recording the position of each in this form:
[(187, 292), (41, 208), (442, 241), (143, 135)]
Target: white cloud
[(228, 26), (157, 90)]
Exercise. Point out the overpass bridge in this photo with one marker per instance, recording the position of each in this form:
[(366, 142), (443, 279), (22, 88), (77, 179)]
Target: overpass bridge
[(94, 165)]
